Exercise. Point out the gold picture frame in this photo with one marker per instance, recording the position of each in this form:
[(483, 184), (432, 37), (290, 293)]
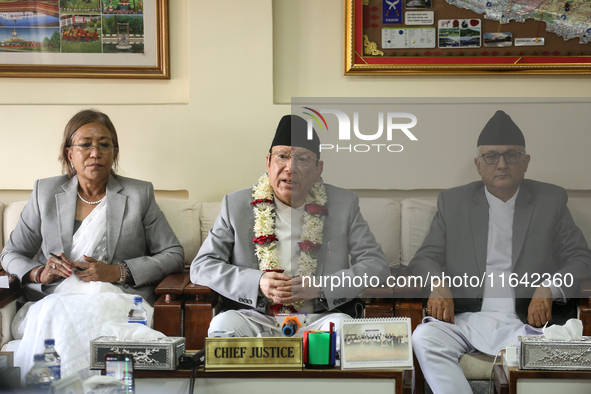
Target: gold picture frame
[(154, 63), (365, 56)]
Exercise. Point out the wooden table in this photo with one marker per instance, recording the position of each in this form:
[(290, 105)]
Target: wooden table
[(541, 382), (401, 379)]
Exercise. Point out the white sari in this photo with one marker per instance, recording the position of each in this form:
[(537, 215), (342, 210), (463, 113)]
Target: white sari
[(80, 311)]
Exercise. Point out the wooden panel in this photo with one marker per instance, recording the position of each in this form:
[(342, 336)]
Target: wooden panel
[(401, 384), (379, 308), (412, 308), (585, 315), (168, 315), (194, 289), (585, 306), (198, 315), (500, 382), (516, 373), (174, 283), (402, 378), (12, 293), (585, 287), (399, 375)]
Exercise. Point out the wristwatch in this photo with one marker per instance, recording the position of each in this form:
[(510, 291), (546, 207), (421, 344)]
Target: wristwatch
[(123, 276)]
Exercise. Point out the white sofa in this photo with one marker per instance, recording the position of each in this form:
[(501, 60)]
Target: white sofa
[(399, 225), (191, 221)]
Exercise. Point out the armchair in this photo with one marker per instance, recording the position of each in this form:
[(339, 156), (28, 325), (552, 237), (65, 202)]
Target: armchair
[(8, 299), (410, 302), (184, 218), (416, 216), (399, 224)]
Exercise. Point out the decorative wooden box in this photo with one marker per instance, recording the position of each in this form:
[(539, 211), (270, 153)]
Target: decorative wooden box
[(160, 354)]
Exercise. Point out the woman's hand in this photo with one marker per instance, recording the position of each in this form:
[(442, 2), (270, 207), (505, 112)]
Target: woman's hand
[(56, 268), (94, 270)]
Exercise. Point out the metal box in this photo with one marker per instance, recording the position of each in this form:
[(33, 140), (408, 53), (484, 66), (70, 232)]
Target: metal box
[(537, 352), (160, 354)]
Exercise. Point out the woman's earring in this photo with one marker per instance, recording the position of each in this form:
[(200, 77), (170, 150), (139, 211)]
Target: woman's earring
[(72, 164)]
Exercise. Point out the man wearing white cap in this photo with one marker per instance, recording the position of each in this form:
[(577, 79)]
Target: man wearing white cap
[(498, 228), (288, 226)]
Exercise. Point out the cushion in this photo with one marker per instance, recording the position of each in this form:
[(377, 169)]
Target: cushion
[(2, 206), (383, 217), (208, 215), (416, 216), (477, 366), (11, 216), (183, 217), (381, 214), (580, 209), (6, 315)]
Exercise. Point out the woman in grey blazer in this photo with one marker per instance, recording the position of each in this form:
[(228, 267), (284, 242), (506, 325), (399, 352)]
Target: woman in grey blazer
[(83, 241), (91, 222)]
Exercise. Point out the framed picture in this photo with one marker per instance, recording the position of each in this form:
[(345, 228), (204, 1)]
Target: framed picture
[(376, 343), (416, 37), (84, 39)]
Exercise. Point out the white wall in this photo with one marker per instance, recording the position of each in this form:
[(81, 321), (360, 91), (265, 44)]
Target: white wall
[(207, 130)]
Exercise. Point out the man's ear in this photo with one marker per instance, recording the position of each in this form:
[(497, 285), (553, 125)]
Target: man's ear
[(477, 163), (319, 169), (526, 160)]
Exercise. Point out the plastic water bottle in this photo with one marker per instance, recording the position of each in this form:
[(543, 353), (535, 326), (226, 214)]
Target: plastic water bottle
[(137, 313), (40, 377), (52, 359)]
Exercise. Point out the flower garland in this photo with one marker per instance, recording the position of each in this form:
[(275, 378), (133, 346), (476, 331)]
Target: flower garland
[(265, 239)]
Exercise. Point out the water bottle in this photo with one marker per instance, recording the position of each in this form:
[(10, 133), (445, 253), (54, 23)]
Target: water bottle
[(137, 313), (52, 359), (40, 377)]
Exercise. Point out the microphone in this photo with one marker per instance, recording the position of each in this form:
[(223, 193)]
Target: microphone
[(290, 326)]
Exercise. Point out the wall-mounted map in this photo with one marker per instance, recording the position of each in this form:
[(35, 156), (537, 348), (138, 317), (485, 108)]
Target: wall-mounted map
[(568, 19), (472, 36)]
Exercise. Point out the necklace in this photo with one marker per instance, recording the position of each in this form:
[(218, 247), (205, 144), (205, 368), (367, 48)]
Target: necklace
[(265, 239), (91, 202)]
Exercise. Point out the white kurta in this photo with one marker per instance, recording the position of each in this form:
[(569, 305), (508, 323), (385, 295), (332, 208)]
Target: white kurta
[(438, 345), (288, 227), (250, 323), (497, 324)]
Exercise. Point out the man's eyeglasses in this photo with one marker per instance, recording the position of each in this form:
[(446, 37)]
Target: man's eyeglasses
[(510, 157), (302, 159), (103, 147)]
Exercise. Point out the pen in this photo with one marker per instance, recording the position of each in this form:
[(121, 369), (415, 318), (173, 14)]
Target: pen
[(56, 256), (60, 259)]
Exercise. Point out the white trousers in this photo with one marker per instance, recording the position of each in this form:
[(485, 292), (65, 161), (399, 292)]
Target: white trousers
[(438, 347), (250, 323)]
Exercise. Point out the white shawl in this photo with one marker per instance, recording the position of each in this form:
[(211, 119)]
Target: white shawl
[(80, 311)]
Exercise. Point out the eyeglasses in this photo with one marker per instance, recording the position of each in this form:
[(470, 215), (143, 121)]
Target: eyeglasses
[(103, 147), (303, 159), (511, 157)]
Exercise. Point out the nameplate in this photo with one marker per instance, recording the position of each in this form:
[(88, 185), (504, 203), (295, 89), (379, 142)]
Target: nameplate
[(253, 354)]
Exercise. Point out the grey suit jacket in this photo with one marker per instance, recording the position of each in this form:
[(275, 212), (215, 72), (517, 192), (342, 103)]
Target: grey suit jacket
[(545, 240), (227, 263), (137, 233)]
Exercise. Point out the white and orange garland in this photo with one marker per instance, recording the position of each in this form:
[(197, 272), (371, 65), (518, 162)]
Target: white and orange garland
[(265, 239)]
